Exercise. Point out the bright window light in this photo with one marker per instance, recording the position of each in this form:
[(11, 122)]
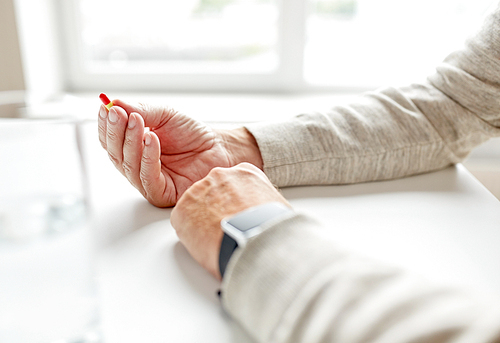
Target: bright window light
[(188, 36), (380, 42), (261, 45)]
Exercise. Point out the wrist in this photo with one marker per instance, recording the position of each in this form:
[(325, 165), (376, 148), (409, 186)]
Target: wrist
[(241, 146)]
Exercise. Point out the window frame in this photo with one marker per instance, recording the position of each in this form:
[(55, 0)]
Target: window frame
[(288, 76)]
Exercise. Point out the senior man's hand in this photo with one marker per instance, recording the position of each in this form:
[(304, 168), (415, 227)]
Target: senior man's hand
[(223, 192), (175, 153)]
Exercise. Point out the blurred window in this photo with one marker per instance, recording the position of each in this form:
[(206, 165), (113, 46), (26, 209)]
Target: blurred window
[(262, 44), (191, 36), (380, 42)]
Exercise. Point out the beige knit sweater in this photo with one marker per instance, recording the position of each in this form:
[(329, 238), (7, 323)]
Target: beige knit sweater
[(289, 285)]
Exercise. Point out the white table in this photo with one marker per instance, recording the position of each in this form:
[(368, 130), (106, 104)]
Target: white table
[(444, 225)]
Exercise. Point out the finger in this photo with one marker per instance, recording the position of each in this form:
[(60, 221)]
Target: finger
[(115, 134), (154, 116), (101, 124), (152, 179), (133, 146)]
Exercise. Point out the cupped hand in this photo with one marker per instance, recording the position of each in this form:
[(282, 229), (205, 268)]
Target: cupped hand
[(164, 162), (223, 192)]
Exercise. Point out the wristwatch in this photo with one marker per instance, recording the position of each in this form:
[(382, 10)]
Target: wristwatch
[(244, 225)]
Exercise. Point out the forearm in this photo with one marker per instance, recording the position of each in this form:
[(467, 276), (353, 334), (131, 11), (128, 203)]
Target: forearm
[(291, 285), (393, 132)]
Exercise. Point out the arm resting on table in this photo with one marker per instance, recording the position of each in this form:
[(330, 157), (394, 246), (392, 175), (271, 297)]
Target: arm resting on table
[(291, 285), (393, 132)]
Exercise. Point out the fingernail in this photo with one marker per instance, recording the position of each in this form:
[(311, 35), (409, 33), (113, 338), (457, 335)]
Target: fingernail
[(113, 116), (102, 112), (147, 139), (131, 122)]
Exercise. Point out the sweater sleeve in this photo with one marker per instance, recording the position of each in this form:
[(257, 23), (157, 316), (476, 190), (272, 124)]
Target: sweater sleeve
[(291, 285), (394, 132)]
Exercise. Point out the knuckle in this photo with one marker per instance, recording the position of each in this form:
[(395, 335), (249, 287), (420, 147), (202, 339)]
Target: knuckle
[(103, 142), (145, 179), (247, 167), (249, 170), (128, 141), (197, 188), (112, 135), (147, 160), (101, 125), (146, 107), (217, 172), (128, 167), (148, 186), (114, 159)]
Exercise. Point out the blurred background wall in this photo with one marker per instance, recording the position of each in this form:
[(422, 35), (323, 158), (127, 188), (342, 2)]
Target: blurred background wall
[(11, 68)]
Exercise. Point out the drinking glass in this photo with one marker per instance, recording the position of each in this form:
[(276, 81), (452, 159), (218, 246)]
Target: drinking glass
[(47, 291)]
